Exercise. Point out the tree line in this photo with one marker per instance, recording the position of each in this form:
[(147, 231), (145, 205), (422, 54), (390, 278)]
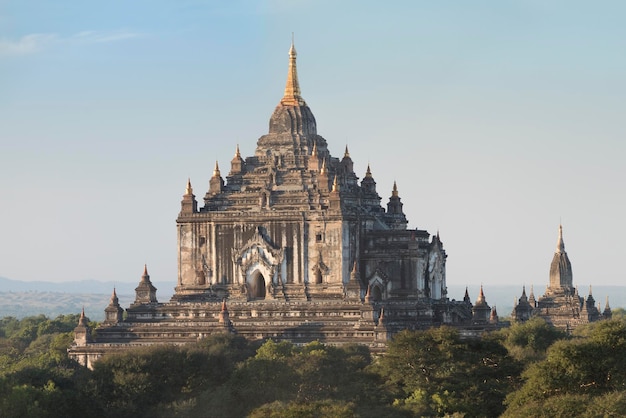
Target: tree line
[(528, 369)]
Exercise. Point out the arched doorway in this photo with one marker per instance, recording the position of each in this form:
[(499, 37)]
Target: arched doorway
[(317, 274), (257, 286), (377, 295)]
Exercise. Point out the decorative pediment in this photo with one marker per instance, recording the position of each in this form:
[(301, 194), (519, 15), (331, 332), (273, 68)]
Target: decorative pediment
[(380, 274), (319, 265), (259, 249)]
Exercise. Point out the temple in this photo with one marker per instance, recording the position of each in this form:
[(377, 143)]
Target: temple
[(561, 305), (291, 245)]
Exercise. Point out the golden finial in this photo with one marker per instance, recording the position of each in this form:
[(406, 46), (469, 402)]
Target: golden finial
[(145, 270), (237, 153), (292, 95), (368, 172), (323, 170), (394, 192), (335, 184), (346, 154), (216, 170), (188, 189)]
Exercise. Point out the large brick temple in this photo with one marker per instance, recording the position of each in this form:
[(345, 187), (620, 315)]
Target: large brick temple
[(291, 245)]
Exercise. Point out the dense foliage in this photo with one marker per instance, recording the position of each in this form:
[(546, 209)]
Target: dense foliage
[(528, 369)]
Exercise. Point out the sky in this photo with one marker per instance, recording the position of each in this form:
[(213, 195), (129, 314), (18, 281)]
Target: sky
[(498, 120)]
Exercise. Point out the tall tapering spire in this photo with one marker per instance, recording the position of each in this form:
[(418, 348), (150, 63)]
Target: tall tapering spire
[(82, 319), (394, 191), (560, 245), (292, 95), (216, 170), (560, 268)]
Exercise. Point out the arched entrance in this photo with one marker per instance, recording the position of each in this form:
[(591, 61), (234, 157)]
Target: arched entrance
[(377, 295), (257, 286), (317, 274)]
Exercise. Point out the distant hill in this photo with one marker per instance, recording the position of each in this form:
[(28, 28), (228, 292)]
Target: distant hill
[(23, 298), (165, 289)]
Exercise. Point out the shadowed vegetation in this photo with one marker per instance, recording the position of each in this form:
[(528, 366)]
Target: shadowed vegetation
[(529, 369)]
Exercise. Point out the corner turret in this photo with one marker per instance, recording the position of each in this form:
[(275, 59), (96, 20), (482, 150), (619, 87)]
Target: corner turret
[(82, 332), (145, 292), (481, 310), (523, 309), (216, 184), (237, 164), (224, 318), (607, 313), (394, 210), (189, 204), (114, 312)]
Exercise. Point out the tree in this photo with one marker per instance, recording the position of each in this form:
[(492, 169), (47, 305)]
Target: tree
[(584, 368), (435, 373), (528, 341)]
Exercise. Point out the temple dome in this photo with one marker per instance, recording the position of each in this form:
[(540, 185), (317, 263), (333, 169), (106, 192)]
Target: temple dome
[(293, 120)]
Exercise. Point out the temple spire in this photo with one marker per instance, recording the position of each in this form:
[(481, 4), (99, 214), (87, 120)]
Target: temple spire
[(394, 192), (560, 245), (188, 189), (324, 170), (335, 184), (82, 320), (216, 170), (292, 95)]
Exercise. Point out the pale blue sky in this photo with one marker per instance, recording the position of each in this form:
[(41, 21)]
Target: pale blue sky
[(496, 118)]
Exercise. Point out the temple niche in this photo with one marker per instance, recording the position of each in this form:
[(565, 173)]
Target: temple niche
[(293, 246)]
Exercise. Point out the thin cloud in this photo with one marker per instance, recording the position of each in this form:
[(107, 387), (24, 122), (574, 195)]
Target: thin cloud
[(35, 42), (104, 36), (27, 44)]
